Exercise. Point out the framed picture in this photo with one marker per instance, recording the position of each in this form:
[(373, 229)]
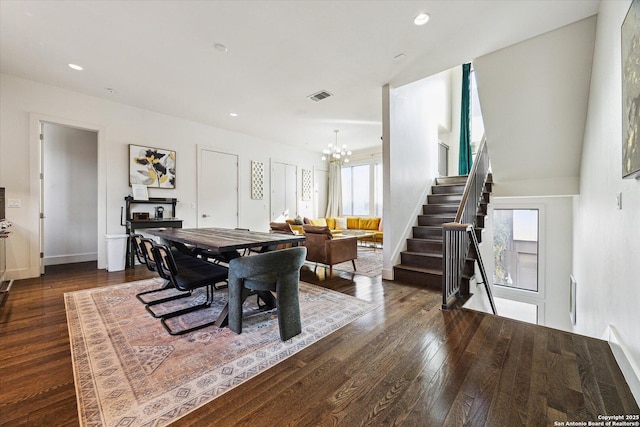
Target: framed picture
[(631, 92), (153, 167)]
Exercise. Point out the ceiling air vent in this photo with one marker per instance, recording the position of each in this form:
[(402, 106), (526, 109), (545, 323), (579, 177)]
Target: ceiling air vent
[(319, 96)]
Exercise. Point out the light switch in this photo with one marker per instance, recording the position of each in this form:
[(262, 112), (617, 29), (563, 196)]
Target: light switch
[(619, 201), (14, 203)]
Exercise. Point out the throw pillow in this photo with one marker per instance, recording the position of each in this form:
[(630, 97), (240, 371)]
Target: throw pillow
[(341, 223), (320, 222)]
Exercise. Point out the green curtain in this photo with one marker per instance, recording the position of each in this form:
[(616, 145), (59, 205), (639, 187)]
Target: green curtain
[(465, 160)]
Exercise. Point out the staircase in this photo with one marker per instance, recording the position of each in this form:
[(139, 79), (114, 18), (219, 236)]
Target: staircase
[(421, 263)]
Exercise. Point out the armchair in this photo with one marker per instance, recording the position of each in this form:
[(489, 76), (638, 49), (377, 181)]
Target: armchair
[(327, 249)]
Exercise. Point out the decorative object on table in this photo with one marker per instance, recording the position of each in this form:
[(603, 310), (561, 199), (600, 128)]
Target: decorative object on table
[(307, 184), (141, 216), (153, 167), (159, 212), (631, 92), (139, 192), (129, 371), (334, 153), (257, 180)]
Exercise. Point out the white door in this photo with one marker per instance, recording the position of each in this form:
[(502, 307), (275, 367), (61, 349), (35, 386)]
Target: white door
[(283, 190), (321, 186), (217, 189)]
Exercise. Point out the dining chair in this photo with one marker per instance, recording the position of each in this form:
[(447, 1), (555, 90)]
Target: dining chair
[(276, 271), (188, 278), (145, 256)]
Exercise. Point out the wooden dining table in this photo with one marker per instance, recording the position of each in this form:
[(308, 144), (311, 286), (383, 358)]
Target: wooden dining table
[(226, 242)]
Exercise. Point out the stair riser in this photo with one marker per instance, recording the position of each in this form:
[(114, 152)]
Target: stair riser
[(444, 198), (434, 220), (427, 233), (458, 180), (440, 209), (432, 281), (423, 261), (417, 245), (447, 189)]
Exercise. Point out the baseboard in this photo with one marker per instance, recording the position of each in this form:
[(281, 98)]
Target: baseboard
[(69, 259), (387, 274), (625, 361)]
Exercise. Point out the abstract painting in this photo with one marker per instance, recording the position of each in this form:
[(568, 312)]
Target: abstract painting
[(631, 92), (153, 167)]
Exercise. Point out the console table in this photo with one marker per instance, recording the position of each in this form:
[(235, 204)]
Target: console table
[(132, 224)]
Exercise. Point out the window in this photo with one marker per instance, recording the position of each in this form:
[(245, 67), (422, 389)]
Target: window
[(477, 125), (356, 190), (515, 248), (378, 189)]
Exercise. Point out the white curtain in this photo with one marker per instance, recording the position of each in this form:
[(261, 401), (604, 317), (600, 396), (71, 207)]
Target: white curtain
[(334, 199)]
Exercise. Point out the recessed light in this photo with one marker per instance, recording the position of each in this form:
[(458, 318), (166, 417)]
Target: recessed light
[(398, 57), (110, 89), (220, 47), (422, 18), (233, 114), (75, 67)]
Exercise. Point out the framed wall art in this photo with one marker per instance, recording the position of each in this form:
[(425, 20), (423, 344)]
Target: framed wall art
[(631, 92), (153, 167), (257, 180)]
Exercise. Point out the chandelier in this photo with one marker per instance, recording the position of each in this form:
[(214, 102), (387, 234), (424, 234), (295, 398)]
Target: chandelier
[(335, 153)]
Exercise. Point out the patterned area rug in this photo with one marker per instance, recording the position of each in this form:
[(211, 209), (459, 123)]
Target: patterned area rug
[(369, 262), (130, 372)]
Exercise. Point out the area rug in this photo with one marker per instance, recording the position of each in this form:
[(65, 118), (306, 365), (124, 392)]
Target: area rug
[(130, 372), (369, 262)]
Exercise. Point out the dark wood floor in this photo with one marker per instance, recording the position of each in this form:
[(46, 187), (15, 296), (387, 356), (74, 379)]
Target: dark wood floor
[(406, 363)]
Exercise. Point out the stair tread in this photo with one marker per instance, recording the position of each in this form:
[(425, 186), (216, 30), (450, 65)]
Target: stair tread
[(419, 269), (429, 254)]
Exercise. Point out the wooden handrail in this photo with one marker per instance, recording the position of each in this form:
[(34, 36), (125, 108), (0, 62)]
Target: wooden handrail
[(468, 184)]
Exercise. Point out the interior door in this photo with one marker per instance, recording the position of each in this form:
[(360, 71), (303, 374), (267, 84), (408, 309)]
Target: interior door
[(284, 192), (321, 188), (217, 189)]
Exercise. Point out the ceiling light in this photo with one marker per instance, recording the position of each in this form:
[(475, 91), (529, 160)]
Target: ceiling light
[(75, 67), (398, 57), (220, 47), (336, 153), (421, 19), (110, 89), (233, 114)]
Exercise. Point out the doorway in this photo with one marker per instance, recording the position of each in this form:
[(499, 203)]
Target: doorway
[(69, 195), (284, 192)]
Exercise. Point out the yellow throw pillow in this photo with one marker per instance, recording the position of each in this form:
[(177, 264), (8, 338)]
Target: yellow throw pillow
[(320, 222), (331, 223), (369, 223), (353, 222)]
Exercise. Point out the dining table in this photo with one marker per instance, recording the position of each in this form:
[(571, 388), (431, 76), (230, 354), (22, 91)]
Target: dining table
[(229, 243)]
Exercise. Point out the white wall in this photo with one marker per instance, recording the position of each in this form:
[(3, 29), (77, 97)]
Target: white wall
[(606, 249), (119, 126), (534, 102), (70, 195), (410, 157)]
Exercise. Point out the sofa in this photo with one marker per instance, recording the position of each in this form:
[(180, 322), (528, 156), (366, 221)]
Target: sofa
[(353, 225), (325, 248)]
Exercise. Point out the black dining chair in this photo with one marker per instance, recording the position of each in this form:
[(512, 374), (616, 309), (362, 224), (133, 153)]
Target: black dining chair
[(144, 250), (276, 271), (187, 279)]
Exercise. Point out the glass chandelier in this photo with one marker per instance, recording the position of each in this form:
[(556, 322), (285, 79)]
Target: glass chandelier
[(335, 153)]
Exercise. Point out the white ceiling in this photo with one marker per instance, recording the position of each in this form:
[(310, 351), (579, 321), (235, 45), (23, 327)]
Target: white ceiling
[(160, 55)]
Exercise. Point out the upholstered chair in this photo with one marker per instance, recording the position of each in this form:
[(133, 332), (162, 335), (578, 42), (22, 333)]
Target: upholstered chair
[(275, 271), (327, 249)]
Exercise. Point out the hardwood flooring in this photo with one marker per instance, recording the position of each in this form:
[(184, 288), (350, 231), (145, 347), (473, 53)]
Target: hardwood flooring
[(405, 363)]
